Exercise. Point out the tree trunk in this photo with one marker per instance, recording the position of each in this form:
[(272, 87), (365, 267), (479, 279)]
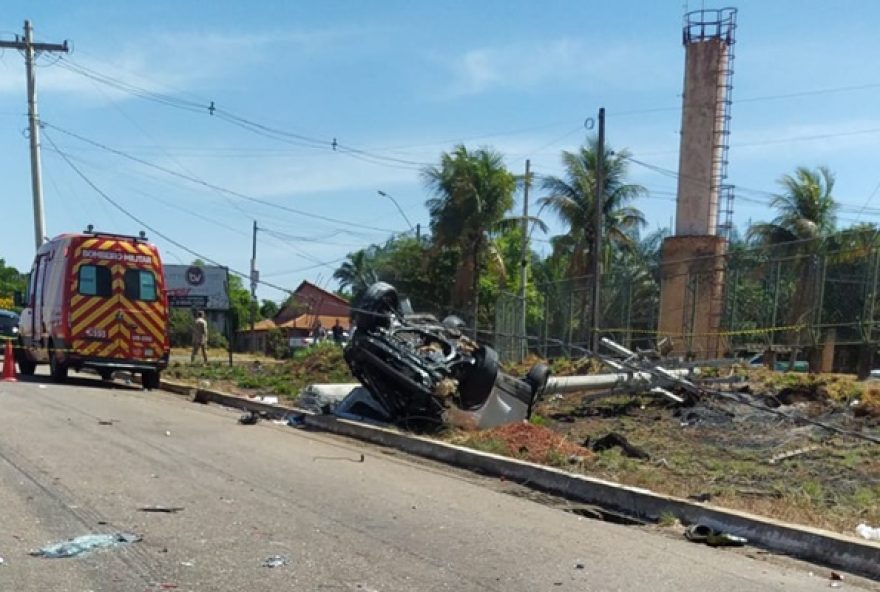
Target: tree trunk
[(476, 286)]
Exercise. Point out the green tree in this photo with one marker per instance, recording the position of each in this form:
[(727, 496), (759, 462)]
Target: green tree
[(631, 288), (356, 273), (806, 211), (240, 303), (472, 192), (573, 199), (11, 281), (268, 309)]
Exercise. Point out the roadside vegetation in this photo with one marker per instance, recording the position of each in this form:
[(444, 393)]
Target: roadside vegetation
[(320, 363)]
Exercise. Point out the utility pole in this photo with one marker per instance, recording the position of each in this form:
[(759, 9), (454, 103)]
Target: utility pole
[(230, 330), (27, 44), (255, 278), (524, 263), (597, 230)]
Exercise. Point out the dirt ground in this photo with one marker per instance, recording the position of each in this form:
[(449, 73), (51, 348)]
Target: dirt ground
[(727, 453)]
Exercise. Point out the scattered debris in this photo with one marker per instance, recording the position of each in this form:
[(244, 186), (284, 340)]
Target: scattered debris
[(161, 509), (701, 497), (786, 455), (866, 532), (187, 563), (354, 460), (268, 399), (249, 418), (579, 565), (700, 533), (276, 561), (167, 432), (106, 421), (2, 561), (836, 576), (615, 440), (84, 544)]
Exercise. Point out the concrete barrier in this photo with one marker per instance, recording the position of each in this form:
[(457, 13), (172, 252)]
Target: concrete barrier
[(811, 544)]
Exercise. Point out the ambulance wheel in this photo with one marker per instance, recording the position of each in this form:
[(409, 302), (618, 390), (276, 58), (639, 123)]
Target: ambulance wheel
[(150, 379), (105, 374), (26, 366), (57, 370)]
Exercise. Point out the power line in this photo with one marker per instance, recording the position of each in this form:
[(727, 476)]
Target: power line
[(247, 124), (151, 228), (204, 183)]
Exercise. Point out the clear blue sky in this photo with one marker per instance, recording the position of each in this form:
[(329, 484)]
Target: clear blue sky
[(404, 81)]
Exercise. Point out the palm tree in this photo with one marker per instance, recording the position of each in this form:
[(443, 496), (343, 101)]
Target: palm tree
[(573, 200), (806, 215), (356, 273), (473, 190), (806, 209)]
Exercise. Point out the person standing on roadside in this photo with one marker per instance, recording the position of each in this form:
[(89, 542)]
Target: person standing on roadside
[(337, 333), (200, 337)]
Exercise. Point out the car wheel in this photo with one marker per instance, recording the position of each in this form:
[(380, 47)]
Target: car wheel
[(150, 379), (57, 369), (26, 366), (477, 384), (537, 379), (376, 306)]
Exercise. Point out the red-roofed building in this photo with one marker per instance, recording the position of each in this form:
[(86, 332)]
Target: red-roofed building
[(300, 315), (309, 298)]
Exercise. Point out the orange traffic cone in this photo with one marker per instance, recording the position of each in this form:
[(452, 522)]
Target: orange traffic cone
[(9, 363)]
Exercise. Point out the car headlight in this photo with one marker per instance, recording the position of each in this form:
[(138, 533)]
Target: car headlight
[(15, 329)]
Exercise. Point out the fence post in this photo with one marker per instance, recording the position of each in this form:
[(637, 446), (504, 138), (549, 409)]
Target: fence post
[(546, 322), (777, 272)]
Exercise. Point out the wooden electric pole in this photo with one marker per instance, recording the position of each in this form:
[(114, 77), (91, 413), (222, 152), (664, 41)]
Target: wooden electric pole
[(30, 48)]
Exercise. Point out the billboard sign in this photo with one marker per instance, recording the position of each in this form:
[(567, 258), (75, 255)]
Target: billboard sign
[(190, 286)]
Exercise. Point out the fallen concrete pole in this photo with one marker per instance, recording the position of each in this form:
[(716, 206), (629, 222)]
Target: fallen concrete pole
[(593, 382)]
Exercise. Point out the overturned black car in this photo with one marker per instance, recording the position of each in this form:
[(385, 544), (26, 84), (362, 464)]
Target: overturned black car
[(423, 373)]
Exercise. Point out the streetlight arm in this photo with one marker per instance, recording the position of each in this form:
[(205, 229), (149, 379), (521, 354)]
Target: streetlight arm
[(397, 205)]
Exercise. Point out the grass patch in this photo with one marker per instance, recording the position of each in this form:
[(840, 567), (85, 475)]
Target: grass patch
[(319, 363)]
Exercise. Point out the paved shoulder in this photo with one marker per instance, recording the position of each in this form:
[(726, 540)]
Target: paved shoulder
[(82, 459)]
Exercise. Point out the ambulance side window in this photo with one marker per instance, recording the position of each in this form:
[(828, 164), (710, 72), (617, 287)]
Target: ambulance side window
[(140, 285), (94, 280)]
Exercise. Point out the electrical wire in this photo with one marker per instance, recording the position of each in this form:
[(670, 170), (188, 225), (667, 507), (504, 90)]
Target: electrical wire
[(209, 185)]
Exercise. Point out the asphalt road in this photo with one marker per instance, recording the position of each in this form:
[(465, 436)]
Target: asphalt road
[(389, 523)]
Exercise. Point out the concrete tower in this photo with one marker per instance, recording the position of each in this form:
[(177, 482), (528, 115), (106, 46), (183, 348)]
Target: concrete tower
[(692, 281)]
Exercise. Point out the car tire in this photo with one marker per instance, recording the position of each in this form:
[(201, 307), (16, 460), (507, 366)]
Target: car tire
[(26, 366), (537, 379), (106, 375), (57, 369), (150, 379), (375, 307), (477, 384)]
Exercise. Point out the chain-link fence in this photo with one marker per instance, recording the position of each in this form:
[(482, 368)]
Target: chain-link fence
[(810, 298)]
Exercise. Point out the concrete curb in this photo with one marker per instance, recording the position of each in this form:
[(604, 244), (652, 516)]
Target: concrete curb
[(811, 544)]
